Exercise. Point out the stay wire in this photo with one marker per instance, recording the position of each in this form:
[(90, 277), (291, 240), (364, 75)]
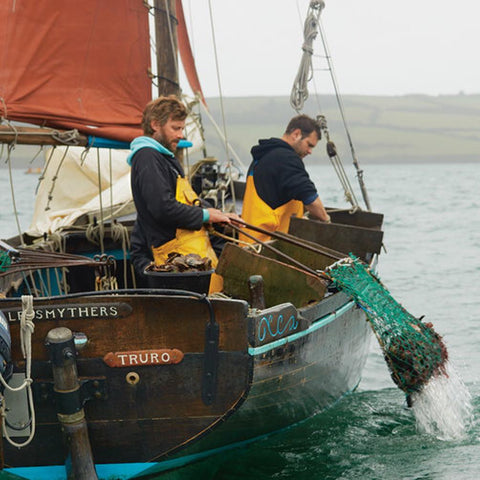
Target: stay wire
[(222, 107)]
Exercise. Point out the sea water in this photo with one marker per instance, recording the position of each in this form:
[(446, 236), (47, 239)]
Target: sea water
[(443, 407), (431, 265)]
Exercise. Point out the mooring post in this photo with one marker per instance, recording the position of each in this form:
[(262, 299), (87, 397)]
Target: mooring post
[(257, 297), (70, 412)]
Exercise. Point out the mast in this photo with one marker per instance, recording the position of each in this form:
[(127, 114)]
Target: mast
[(166, 47)]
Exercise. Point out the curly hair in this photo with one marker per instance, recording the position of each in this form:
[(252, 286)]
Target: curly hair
[(160, 110)]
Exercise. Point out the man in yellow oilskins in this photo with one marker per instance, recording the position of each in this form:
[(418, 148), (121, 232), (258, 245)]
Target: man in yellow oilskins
[(278, 186), (169, 218)]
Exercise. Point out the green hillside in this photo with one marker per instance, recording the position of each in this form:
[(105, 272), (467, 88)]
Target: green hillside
[(411, 128)]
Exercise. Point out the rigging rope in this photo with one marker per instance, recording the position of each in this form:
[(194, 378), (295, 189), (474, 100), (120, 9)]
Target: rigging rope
[(26, 330), (14, 204), (305, 71), (222, 108), (338, 166), (299, 95), (344, 118)]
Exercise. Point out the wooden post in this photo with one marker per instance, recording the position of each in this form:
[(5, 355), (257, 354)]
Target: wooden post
[(257, 297), (70, 413)]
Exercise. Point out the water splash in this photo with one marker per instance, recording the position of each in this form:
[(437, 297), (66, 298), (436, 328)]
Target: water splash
[(443, 408)]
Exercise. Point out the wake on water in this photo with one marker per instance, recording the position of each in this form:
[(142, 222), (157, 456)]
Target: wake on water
[(443, 408)]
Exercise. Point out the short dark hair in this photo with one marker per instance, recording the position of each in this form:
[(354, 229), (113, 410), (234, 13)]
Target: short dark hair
[(306, 125), (160, 110)]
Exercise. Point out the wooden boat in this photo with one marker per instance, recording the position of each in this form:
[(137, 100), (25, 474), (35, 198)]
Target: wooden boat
[(159, 378)]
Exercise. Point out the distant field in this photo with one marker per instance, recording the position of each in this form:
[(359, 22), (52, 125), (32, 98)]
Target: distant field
[(410, 128)]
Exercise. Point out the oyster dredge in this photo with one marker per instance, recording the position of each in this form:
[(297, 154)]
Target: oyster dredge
[(108, 374)]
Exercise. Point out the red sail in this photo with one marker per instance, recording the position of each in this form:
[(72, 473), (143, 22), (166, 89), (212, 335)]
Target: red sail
[(75, 64), (186, 54)]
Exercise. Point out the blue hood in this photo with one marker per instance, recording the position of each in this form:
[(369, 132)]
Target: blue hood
[(146, 142)]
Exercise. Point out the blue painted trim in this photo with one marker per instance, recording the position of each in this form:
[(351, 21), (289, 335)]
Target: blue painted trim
[(118, 471), (99, 142), (312, 328)]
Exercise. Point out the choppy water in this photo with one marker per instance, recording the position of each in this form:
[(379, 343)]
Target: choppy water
[(432, 266)]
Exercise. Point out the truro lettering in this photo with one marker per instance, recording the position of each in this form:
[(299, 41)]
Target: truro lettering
[(143, 357)]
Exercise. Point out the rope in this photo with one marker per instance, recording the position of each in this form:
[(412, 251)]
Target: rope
[(120, 233), (344, 118), (305, 71), (223, 137), (26, 330), (256, 247), (14, 204), (226, 143), (101, 229), (45, 168), (54, 179), (299, 94), (338, 166)]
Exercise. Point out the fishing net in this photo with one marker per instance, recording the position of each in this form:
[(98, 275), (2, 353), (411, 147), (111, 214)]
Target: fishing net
[(414, 352)]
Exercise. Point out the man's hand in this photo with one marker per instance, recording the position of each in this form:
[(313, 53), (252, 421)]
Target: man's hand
[(217, 216), (317, 210)]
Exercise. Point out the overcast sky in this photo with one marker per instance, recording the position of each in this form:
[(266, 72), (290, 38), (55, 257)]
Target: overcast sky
[(378, 47)]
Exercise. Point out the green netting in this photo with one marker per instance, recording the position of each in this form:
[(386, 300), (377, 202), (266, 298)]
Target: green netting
[(413, 350), (5, 261)]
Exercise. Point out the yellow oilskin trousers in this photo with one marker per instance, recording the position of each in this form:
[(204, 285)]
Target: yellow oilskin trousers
[(256, 212), (189, 241)]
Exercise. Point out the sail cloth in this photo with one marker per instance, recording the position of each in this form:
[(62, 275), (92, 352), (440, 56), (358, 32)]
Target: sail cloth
[(82, 65), (70, 188)]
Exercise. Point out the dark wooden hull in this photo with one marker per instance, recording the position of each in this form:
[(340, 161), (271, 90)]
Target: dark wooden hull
[(268, 377), (273, 367)]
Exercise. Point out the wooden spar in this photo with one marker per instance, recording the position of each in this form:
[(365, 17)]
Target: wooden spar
[(290, 239), (281, 254), (41, 136)]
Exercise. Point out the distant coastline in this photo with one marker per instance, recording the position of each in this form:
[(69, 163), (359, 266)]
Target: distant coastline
[(384, 129)]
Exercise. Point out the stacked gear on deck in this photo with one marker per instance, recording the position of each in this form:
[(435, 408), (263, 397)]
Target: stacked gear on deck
[(414, 352)]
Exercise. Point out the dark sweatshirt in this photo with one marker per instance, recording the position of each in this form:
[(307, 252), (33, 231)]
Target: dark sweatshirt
[(279, 174), (154, 180)]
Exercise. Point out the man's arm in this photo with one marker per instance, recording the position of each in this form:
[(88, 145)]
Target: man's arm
[(317, 210)]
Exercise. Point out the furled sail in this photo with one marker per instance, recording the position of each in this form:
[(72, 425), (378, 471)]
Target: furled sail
[(75, 65)]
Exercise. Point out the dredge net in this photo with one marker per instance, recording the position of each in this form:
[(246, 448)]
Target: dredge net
[(414, 352)]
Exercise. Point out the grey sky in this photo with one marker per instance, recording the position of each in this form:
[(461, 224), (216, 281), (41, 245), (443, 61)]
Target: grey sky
[(379, 47)]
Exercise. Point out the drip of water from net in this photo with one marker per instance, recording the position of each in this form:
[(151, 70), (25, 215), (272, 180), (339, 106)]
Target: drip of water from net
[(443, 407)]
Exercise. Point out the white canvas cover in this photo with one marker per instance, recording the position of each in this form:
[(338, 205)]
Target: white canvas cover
[(75, 189)]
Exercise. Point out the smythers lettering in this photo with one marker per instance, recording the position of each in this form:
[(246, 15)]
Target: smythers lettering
[(65, 312)]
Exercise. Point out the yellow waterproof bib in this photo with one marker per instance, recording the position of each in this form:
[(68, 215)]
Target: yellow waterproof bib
[(258, 213), (189, 241)]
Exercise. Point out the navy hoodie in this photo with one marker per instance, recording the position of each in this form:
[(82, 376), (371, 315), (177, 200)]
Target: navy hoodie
[(279, 174)]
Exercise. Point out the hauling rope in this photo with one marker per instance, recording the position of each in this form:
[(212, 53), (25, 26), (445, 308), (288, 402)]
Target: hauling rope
[(414, 352)]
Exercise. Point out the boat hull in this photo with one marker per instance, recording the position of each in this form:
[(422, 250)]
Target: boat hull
[(276, 367)]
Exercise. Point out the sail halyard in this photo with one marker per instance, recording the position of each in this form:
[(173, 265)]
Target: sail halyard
[(186, 54)]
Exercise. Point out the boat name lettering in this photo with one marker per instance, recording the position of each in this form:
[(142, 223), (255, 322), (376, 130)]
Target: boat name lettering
[(138, 358), (64, 312), (275, 326)]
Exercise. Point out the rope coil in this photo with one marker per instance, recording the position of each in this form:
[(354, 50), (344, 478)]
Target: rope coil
[(27, 328)]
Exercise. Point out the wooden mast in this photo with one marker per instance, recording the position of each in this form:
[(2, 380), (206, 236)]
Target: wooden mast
[(166, 47)]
